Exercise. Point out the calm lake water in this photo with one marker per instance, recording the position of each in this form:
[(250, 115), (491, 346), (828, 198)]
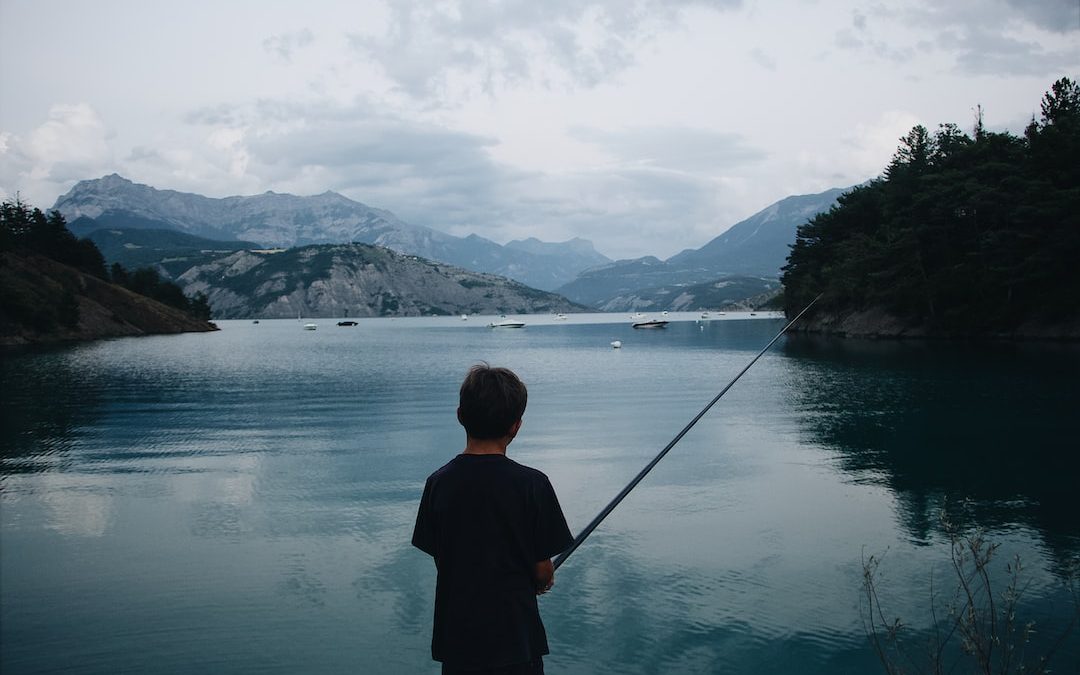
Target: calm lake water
[(242, 501)]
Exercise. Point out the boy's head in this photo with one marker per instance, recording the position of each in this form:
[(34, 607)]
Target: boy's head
[(491, 401)]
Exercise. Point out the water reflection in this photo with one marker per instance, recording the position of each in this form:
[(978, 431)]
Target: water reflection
[(46, 402), (981, 425)]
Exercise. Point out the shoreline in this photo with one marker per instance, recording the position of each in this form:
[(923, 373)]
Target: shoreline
[(877, 324)]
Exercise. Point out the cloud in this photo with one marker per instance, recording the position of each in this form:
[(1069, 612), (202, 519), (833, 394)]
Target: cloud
[(284, 45), (867, 148), (861, 38), (629, 210), (71, 144), (983, 52), (676, 148), (999, 37), (762, 59), (657, 193), (1059, 16), (429, 50), (858, 20), (1006, 37)]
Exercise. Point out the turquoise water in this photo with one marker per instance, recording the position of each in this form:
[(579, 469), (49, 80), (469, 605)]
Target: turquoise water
[(242, 501)]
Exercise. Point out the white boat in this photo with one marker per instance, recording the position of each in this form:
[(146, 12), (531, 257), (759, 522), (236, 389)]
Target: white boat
[(560, 317), (507, 323), (310, 326), (652, 323), (704, 315), (616, 344), (464, 317)]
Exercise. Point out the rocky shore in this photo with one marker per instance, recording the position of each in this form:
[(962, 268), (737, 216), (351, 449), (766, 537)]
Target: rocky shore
[(878, 323)]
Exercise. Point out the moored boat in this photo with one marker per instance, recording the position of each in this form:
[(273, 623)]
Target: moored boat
[(652, 323)]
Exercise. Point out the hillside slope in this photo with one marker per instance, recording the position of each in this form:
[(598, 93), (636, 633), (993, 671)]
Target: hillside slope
[(356, 280), (43, 301)]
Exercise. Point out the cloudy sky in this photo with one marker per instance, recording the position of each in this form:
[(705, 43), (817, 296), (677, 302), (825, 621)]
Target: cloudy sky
[(645, 126)]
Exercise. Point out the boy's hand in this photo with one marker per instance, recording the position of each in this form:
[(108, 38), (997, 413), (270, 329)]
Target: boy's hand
[(544, 576)]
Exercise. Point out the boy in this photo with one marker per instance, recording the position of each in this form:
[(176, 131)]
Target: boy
[(492, 526)]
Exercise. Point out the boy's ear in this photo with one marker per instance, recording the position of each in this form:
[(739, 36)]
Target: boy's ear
[(514, 428), (459, 416)]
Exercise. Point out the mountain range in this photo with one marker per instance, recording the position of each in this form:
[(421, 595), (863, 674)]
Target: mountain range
[(137, 224), (276, 220), (755, 248)]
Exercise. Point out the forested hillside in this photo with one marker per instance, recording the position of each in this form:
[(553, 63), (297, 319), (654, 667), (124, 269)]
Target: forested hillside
[(54, 287), (961, 235)]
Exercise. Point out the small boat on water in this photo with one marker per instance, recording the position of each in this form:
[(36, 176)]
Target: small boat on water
[(310, 326), (616, 344), (704, 315), (464, 317), (507, 323), (652, 323), (347, 323), (255, 321), (560, 317)]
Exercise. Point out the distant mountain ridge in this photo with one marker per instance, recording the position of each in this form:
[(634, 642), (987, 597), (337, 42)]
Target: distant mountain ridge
[(755, 247), (728, 292), (284, 220), (759, 245)]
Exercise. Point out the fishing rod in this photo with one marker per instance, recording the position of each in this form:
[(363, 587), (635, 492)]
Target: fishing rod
[(561, 558)]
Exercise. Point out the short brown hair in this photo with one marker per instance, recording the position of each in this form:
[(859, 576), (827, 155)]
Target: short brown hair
[(491, 401)]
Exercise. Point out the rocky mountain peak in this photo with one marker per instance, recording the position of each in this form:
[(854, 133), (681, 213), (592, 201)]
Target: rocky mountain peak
[(281, 220)]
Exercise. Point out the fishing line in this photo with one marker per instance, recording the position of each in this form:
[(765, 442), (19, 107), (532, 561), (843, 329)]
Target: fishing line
[(648, 467)]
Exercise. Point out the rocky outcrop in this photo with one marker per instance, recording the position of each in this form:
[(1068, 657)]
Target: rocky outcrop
[(356, 280), (44, 301)]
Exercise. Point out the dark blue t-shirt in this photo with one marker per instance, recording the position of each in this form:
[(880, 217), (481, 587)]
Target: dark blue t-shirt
[(487, 521)]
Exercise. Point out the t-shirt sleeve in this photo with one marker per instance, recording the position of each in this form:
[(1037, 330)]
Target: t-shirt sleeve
[(552, 536), (423, 536)]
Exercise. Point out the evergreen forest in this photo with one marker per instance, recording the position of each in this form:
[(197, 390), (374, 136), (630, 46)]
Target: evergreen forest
[(961, 235), (27, 231)]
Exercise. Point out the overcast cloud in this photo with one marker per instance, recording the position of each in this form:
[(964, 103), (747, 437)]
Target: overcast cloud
[(647, 127)]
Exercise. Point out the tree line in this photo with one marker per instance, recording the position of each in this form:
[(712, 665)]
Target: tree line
[(25, 229), (962, 233)]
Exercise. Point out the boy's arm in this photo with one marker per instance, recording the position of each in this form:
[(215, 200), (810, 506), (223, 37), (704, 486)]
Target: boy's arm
[(423, 536), (544, 576)]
